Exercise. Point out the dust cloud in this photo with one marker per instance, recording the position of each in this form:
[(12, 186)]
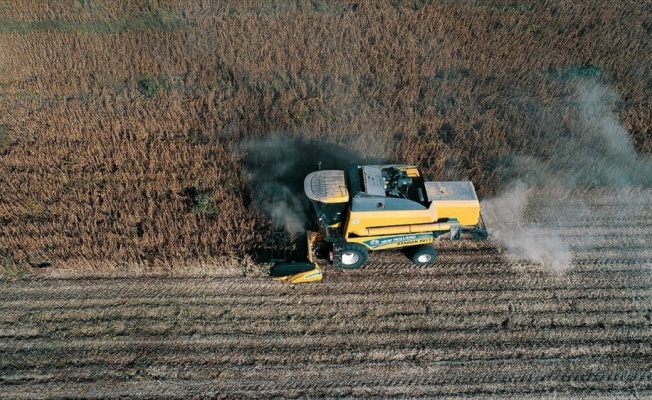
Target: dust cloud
[(276, 166), (506, 218), (595, 152)]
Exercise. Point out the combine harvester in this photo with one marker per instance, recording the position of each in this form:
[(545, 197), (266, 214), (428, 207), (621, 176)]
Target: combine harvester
[(379, 207)]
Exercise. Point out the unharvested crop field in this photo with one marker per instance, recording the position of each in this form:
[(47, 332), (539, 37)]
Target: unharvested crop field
[(147, 132), (475, 325), (148, 148)]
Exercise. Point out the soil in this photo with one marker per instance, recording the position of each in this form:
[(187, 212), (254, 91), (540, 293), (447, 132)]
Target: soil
[(477, 324)]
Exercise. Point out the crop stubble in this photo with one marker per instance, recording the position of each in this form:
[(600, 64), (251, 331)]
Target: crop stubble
[(473, 325)]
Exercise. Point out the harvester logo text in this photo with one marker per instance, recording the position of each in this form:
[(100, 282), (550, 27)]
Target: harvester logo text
[(401, 240)]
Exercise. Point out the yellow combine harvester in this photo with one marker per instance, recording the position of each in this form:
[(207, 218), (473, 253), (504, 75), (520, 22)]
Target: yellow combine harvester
[(378, 207)]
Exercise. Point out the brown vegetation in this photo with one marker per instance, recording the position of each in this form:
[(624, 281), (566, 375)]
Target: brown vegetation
[(121, 122)]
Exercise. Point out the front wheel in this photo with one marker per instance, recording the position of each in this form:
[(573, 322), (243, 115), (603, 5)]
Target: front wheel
[(352, 256), (423, 255)]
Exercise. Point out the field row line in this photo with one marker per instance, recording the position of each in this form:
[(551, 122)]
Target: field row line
[(579, 299), (242, 313), (183, 358), (343, 283), (376, 380), (389, 336)]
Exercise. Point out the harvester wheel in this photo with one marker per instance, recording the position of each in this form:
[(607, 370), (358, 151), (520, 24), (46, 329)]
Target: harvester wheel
[(423, 255), (354, 256)]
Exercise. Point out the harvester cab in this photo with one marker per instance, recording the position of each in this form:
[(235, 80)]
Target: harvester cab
[(377, 207)]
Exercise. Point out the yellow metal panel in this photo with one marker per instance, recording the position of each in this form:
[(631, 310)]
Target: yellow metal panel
[(467, 212), (412, 172), (313, 275), (455, 200), (358, 222)]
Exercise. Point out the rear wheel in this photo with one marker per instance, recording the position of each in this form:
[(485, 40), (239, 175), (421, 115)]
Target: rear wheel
[(423, 255), (353, 256)]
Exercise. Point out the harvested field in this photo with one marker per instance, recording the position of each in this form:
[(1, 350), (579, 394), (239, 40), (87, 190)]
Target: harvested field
[(475, 325)]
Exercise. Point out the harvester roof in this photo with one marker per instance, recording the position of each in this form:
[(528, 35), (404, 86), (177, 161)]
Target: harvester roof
[(328, 186)]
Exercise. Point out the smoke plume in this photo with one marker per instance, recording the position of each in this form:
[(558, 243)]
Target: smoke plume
[(277, 165), (595, 151)]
